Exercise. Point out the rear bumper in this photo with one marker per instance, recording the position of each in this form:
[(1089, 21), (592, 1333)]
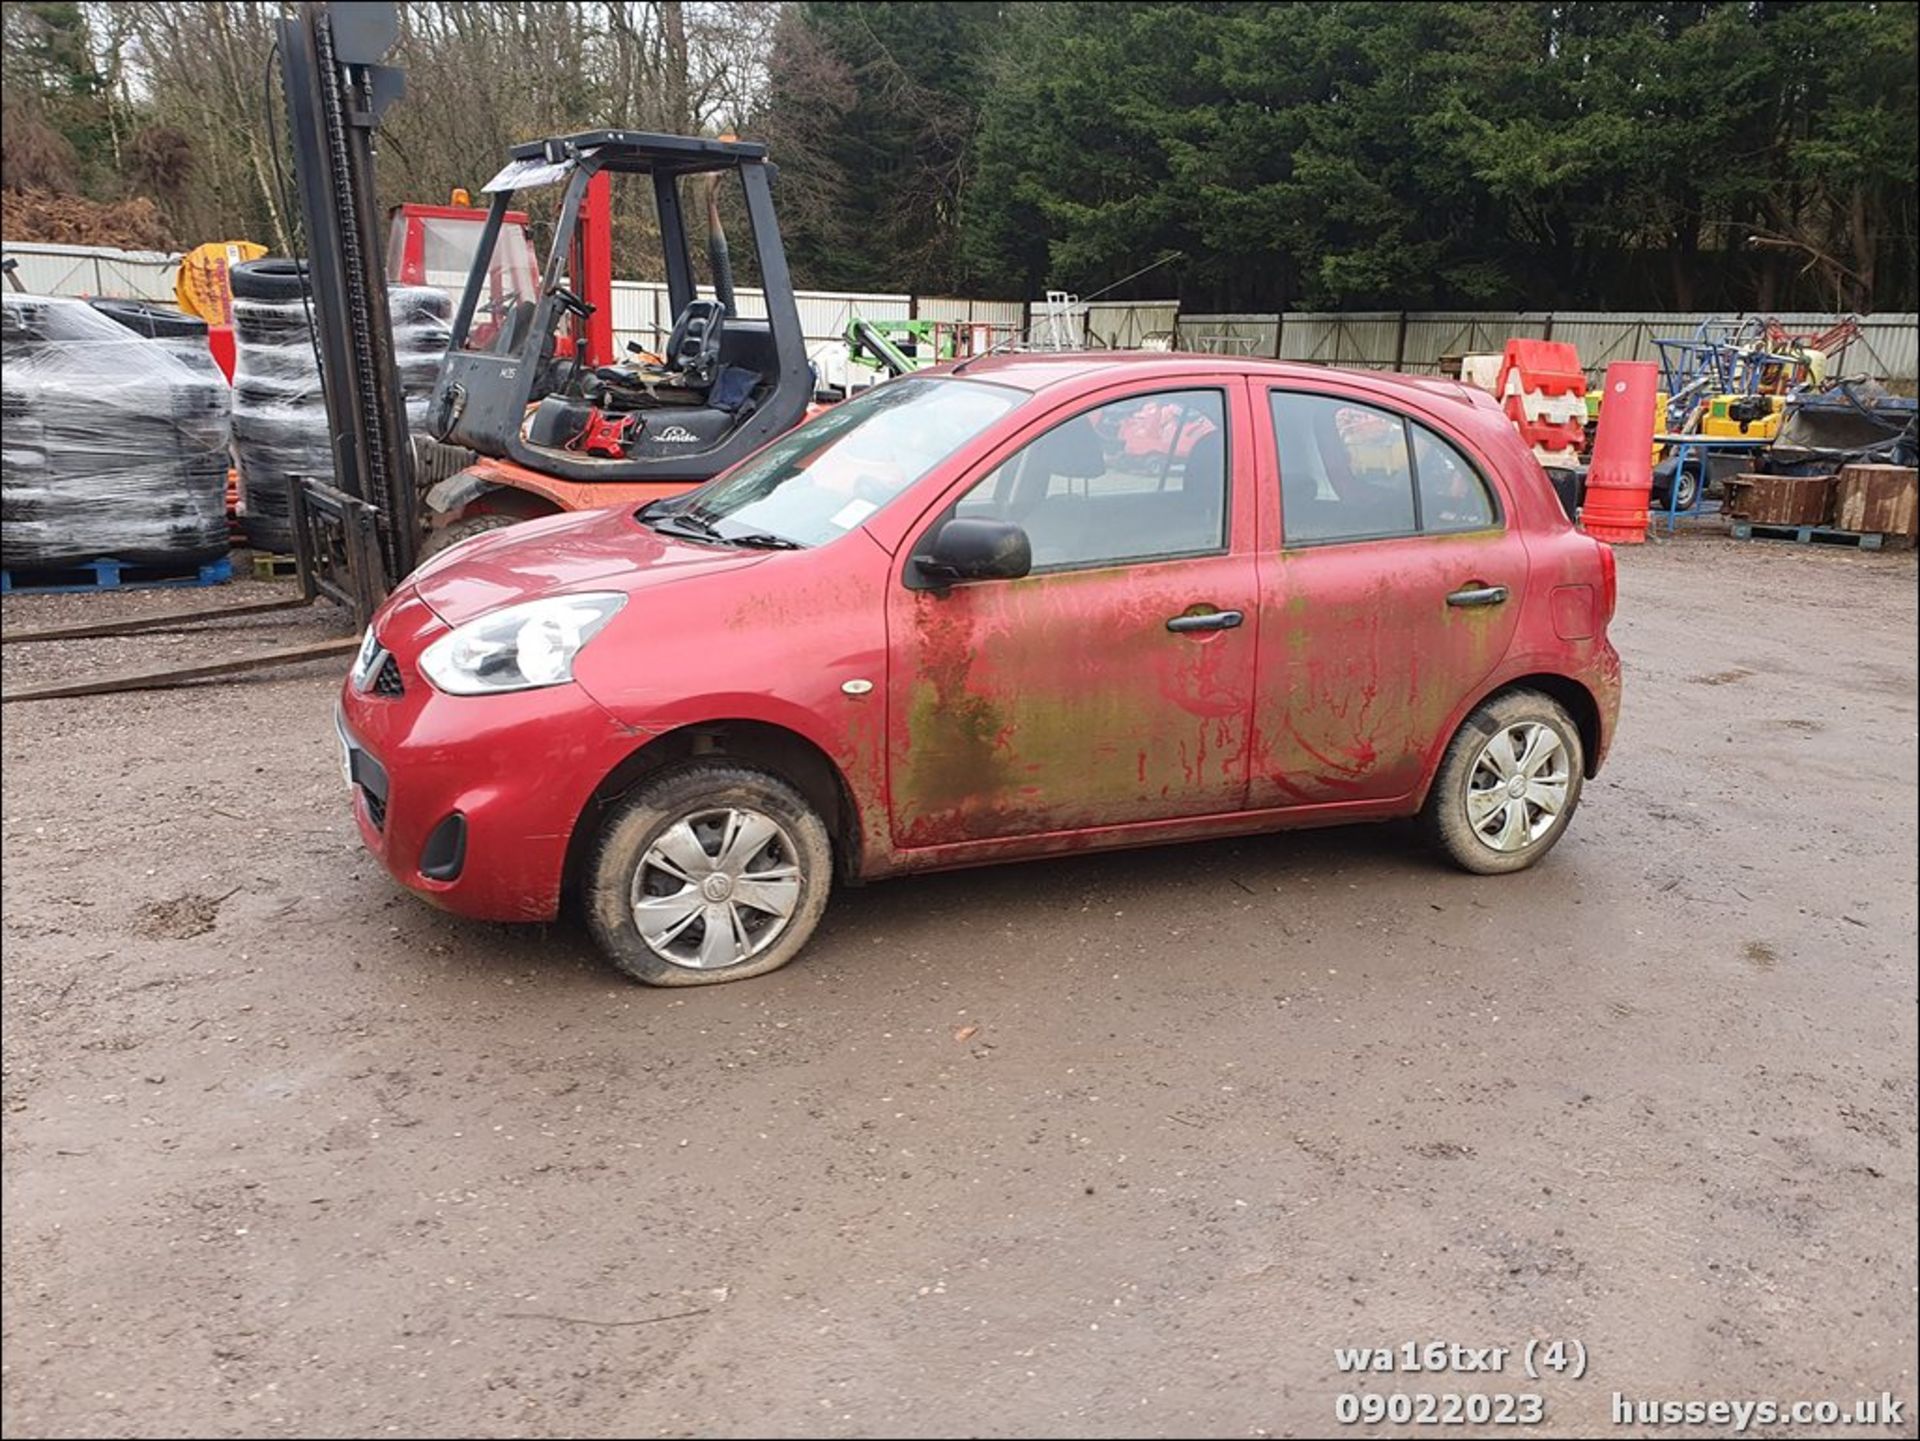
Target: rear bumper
[(517, 770), (1603, 680)]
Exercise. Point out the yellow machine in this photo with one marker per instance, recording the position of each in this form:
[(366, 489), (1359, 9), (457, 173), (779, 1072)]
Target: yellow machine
[(1659, 417), (1754, 416)]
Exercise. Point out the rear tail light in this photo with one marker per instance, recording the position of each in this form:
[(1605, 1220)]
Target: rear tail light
[(1609, 581)]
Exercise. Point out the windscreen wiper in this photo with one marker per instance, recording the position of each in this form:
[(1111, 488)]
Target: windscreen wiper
[(680, 522), (695, 526)]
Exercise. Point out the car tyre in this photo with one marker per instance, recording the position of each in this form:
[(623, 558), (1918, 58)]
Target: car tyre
[(448, 536), (1497, 804), (778, 849)]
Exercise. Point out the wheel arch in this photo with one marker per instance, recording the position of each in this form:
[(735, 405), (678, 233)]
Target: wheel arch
[(774, 748), (1579, 701)]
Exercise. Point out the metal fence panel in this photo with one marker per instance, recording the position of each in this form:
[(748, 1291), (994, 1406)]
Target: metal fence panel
[(1433, 334), (1004, 316), (1363, 340), (94, 270), (1603, 337), (1230, 334), (1888, 347), (1126, 324)]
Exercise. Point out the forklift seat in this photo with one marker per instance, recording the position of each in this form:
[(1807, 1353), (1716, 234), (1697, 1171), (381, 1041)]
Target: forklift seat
[(693, 349)]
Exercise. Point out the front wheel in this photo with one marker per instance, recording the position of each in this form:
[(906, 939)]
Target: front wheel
[(708, 872), (1508, 784)]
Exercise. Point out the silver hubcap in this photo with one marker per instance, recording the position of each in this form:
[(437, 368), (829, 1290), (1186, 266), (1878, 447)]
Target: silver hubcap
[(716, 888), (1518, 786)]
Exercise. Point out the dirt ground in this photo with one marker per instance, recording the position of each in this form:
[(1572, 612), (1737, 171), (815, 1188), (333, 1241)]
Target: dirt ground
[(1125, 1144)]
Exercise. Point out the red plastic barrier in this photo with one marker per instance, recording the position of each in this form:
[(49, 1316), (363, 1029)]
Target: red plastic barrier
[(1620, 481), (1543, 391)]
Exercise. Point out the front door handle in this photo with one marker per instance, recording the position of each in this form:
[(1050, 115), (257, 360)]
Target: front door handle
[(1216, 620), (1479, 595)]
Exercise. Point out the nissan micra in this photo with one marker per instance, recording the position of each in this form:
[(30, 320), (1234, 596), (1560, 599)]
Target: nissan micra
[(1006, 608)]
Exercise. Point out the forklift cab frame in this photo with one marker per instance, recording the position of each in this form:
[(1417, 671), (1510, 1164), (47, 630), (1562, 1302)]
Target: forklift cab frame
[(483, 397)]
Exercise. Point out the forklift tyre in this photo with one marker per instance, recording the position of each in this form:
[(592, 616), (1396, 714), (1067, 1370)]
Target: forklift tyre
[(451, 535)]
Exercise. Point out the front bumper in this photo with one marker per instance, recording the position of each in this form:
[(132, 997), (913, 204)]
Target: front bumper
[(517, 769)]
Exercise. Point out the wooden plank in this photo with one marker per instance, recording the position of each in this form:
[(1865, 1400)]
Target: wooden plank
[(182, 675)]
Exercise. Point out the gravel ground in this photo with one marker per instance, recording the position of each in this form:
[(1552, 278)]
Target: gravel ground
[(1120, 1143)]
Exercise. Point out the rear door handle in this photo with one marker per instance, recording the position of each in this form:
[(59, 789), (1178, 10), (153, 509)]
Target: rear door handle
[(1479, 595), (1217, 620)]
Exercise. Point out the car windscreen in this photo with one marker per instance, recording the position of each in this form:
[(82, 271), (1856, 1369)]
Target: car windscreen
[(842, 466)]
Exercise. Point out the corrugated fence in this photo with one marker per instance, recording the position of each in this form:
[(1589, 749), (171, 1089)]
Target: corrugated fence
[(1889, 346)]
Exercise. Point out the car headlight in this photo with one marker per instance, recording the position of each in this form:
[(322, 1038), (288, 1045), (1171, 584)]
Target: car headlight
[(369, 652), (521, 647)]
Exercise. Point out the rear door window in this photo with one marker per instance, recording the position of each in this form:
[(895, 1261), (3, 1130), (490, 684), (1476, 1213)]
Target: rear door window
[(1350, 472)]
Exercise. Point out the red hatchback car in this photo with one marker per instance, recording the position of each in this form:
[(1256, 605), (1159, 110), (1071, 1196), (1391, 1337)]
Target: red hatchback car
[(969, 617)]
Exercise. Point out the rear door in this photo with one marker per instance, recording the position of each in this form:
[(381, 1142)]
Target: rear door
[(1389, 590), (1113, 684)]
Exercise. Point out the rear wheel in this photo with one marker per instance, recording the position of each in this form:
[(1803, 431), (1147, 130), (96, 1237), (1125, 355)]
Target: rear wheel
[(1508, 784), (708, 872)]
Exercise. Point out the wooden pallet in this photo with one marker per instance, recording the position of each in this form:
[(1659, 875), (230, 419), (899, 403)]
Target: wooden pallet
[(110, 574), (1818, 535), (274, 567)]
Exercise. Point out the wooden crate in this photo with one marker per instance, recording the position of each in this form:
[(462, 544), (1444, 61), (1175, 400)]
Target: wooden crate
[(1878, 499), (1780, 499)]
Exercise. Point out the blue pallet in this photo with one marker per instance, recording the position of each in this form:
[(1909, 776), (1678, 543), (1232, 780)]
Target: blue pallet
[(110, 574)]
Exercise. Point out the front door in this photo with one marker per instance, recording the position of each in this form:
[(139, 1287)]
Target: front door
[(1392, 594), (1114, 683)]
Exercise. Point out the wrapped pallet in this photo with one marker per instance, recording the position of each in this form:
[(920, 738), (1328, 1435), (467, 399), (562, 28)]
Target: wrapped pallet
[(115, 446), (179, 334), (280, 426)]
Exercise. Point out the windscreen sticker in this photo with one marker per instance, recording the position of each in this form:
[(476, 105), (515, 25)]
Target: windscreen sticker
[(852, 513)]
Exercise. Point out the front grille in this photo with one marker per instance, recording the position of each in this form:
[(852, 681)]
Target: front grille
[(387, 681), (376, 809)]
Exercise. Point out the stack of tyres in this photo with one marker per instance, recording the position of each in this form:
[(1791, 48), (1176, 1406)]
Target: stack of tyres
[(114, 447), (279, 416), (280, 429), (179, 334)]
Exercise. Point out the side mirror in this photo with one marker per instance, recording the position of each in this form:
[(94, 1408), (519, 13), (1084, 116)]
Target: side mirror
[(976, 550)]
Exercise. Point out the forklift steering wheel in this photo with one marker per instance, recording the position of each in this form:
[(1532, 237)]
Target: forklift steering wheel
[(569, 301)]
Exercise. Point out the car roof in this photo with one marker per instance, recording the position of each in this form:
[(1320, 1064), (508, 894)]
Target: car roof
[(1082, 369)]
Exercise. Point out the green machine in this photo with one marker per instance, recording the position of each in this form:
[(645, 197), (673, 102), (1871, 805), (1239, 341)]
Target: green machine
[(899, 347)]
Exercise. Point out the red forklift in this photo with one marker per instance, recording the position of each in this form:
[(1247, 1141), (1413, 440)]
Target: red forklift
[(532, 385)]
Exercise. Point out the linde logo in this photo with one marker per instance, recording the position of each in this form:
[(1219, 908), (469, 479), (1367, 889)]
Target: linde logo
[(678, 434)]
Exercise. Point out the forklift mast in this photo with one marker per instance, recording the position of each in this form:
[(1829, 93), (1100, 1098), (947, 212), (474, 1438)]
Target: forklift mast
[(362, 523)]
